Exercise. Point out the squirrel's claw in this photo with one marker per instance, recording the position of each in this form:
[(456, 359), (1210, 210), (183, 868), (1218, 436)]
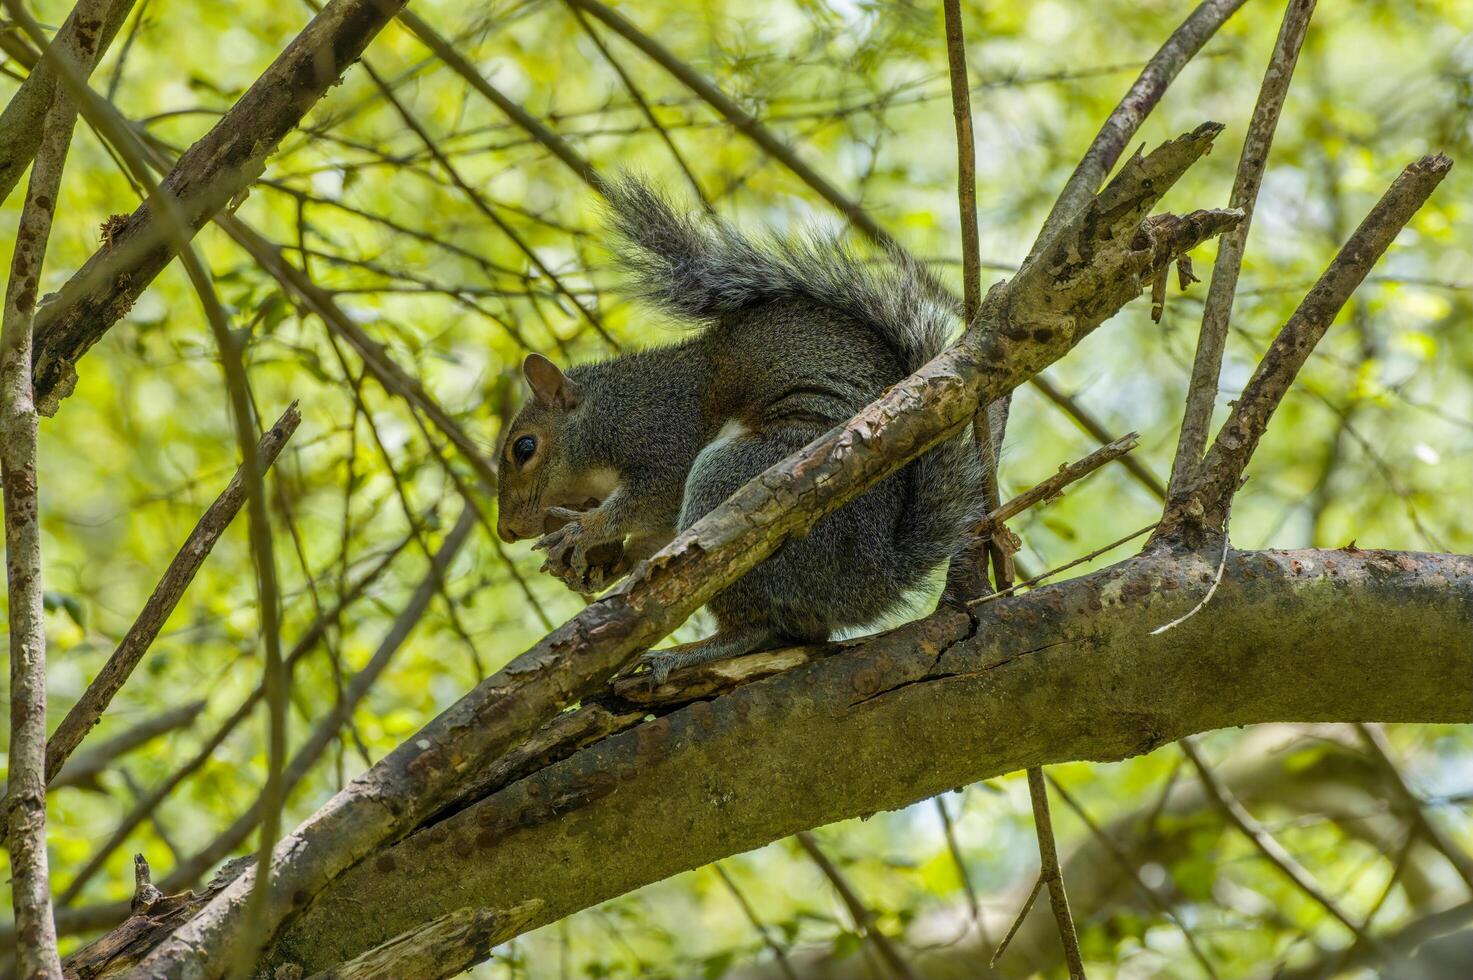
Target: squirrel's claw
[(570, 552)]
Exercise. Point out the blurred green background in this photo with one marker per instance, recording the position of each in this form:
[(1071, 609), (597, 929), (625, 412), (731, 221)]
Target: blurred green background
[(1373, 445)]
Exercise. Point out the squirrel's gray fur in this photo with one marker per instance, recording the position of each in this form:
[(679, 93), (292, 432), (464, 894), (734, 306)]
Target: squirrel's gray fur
[(795, 337)]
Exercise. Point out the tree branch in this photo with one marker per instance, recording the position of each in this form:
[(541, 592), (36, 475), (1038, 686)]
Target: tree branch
[(221, 165), (89, 708), (1217, 310), (1206, 502), (1063, 673), (23, 812)]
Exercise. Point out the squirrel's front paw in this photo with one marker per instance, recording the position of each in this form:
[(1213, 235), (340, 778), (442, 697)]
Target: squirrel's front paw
[(581, 553)]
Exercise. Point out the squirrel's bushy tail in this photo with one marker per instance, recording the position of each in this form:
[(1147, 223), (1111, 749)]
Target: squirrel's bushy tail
[(699, 267)]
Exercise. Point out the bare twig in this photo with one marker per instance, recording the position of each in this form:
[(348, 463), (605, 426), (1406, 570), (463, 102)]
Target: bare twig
[(1048, 490), (1121, 125), (864, 919), (644, 107), (1260, 838), (308, 641), (479, 202), (966, 579), (1375, 740), (89, 708), (779, 954), (1123, 861), (84, 768), (1217, 310), (1058, 569), (953, 847), (1007, 940), (1051, 874), (1222, 470)]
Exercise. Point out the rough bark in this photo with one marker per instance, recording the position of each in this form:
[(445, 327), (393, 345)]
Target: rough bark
[(217, 168), (1064, 673)]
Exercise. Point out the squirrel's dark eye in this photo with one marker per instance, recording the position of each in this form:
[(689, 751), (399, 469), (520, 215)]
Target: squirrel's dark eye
[(523, 448)]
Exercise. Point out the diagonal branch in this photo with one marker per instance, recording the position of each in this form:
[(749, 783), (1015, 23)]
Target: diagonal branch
[(89, 708), (1122, 124), (1270, 848), (1217, 310), (222, 164), (1206, 503)]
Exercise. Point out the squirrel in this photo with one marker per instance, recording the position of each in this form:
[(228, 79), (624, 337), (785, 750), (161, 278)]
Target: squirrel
[(607, 462)]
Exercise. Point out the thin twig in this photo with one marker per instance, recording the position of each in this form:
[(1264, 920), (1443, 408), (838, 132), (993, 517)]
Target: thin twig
[(1375, 740), (1052, 875), (864, 919), (780, 954), (644, 107), (1260, 838), (1122, 860), (314, 634), (953, 847), (1211, 589), (1007, 940), (1217, 310), (89, 708), (1122, 124), (1048, 490), (1082, 559)]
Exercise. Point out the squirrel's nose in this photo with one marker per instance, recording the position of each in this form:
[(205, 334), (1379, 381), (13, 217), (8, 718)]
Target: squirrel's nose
[(505, 532)]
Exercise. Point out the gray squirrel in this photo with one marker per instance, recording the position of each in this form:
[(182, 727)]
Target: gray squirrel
[(606, 462)]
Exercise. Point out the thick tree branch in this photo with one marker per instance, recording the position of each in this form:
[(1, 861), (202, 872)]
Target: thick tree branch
[(1066, 672), (221, 165)]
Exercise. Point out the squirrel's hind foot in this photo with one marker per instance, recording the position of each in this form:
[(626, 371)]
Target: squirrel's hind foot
[(722, 646)]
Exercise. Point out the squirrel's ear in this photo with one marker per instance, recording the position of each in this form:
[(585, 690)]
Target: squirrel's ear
[(550, 387)]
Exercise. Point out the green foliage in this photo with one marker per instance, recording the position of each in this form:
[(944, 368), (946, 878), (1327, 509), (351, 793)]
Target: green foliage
[(1374, 444)]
